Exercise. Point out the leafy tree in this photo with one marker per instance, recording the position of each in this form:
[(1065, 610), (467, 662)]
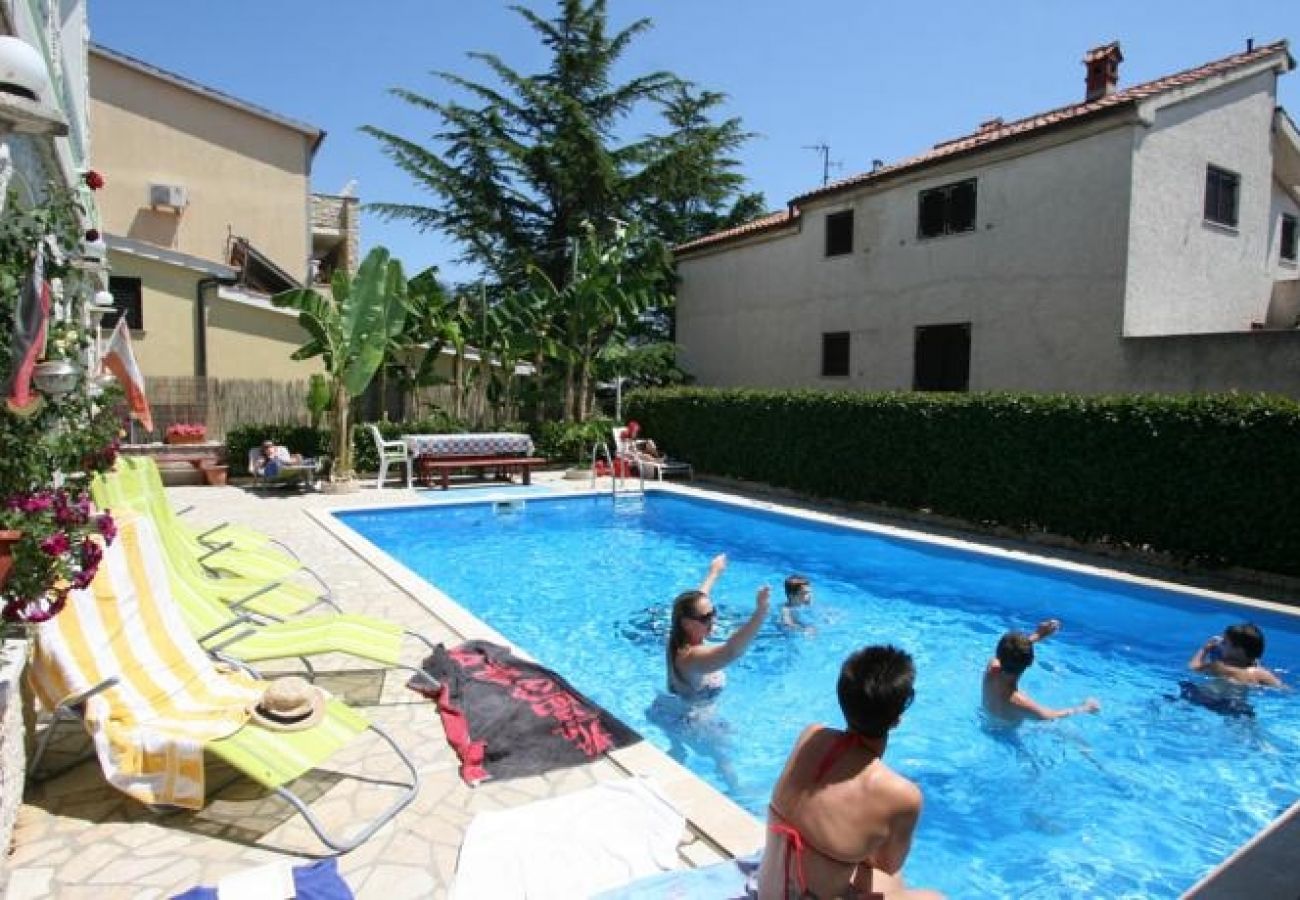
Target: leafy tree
[(350, 330), (525, 169)]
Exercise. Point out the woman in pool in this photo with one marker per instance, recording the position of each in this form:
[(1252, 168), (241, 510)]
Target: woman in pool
[(840, 821), (695, 668)]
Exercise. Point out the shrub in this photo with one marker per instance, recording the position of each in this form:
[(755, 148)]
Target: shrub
[(310, 442), (1209, 478), (571, 441)]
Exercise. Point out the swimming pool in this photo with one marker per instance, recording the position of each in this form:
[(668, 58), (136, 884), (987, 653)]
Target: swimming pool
[(1140, 800)]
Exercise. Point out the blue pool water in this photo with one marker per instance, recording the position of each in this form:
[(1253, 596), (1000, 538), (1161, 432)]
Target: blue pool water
[(1138, 801)]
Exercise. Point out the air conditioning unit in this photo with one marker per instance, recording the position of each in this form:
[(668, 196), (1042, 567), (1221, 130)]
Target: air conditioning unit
[(172, 195)]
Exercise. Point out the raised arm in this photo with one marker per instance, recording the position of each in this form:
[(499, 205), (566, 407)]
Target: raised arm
[(716, 656), (716, 567), (1045, 629)]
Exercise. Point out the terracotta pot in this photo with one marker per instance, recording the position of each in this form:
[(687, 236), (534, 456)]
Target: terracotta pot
[(7, 541), (184, 439), (216, 475)]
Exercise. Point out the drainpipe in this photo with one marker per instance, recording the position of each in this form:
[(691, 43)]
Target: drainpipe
[(201, 321)]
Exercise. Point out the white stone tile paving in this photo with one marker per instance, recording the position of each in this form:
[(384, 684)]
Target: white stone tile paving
[(78, 838)]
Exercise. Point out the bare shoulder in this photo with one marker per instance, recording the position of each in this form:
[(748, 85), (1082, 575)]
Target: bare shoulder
[(902, 791)]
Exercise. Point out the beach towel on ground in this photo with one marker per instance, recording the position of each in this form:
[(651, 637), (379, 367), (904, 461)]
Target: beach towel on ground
[(506, 717), (317, 881), (148, 730), (570, 846)]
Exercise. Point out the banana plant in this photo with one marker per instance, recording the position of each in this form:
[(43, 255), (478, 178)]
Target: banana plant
[(350, 330)]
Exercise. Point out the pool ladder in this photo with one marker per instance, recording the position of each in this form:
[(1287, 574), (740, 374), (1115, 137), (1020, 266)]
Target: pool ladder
[(600, 450)]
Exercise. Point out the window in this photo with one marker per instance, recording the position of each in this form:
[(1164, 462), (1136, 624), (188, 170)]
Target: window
[(126, 302), (942, 361), (839, 233), (1221, 189), (947, 210), (835, 354), (1287, 250)]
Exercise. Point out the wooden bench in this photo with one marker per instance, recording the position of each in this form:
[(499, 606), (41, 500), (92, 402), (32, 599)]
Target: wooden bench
[(196, 458), (427, 466)]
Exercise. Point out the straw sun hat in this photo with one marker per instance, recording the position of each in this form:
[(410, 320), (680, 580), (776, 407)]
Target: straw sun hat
[(290, 704)]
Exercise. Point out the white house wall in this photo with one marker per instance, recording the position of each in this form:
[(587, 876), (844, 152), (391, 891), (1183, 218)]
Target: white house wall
[(1187, 275), (1040, 280)]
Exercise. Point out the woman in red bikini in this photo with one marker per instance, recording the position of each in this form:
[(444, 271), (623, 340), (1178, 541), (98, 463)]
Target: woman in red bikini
[(840, 822)]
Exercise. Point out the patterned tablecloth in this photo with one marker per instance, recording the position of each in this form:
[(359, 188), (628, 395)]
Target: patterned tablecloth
[(497, 444)]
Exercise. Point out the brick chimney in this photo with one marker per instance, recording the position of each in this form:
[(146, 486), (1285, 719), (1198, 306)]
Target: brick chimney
[(1103, 70)]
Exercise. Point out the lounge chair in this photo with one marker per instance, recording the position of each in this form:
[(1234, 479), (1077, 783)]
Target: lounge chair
[(220, 535), (120, 659), (288, 473), (635, 453), (391, 453), (265, 589)]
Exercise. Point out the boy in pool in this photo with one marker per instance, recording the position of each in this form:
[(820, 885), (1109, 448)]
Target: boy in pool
[(798, 592), (1002, 694), (1235, 657)]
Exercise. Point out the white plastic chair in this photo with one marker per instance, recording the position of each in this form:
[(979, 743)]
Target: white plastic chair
[(632, 451), (391, 452)]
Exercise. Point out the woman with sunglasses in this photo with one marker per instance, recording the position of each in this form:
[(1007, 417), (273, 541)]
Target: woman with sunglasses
[(695, 668)]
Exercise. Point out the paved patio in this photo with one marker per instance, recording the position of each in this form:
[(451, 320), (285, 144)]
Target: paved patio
[(78, 838)]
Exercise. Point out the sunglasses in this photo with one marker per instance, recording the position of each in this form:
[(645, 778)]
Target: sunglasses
[(704, 617)]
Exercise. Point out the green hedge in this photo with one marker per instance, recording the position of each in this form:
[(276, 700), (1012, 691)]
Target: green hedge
[(1212, 478)]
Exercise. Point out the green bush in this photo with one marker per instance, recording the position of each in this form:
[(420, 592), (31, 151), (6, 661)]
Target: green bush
[(571, 442), (1209, 478)]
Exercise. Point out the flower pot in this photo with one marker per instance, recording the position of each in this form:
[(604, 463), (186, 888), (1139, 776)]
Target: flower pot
[(7, 541), (184, 439), (215, 475)]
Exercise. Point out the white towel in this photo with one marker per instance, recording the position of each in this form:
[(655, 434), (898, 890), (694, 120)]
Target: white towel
[(569, 847)]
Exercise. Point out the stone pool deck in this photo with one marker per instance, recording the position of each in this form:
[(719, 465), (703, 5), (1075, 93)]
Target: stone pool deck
[(78, 838)]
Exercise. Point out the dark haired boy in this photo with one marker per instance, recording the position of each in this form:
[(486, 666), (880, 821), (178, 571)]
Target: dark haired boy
[(1002, 694), (798, 592), (1235, 657)]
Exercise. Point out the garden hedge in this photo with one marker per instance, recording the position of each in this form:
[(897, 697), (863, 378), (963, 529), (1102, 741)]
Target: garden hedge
[(1213, 479)]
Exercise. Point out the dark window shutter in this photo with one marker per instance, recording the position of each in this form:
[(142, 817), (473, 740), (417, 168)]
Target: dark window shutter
[(931, 215), (961, 207), (835, 354), (127, 301), (1288, 248), (839, 233)]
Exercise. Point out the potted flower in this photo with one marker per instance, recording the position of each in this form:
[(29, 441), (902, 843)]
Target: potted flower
[(184, 433), (53, 549)]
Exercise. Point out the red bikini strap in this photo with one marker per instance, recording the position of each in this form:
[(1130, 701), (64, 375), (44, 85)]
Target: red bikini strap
[(833, 753), (792, 839)]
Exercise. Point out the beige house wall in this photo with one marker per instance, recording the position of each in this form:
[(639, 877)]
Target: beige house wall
[(165, 346), (244, 173), (245, 341)]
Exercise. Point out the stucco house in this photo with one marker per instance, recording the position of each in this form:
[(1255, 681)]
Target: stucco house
[(1142, 239), (207, 211)]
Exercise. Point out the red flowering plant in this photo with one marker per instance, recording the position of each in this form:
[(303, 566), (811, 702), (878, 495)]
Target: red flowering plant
[(60, 549), (183, 431), (53, 443), (93, 180)]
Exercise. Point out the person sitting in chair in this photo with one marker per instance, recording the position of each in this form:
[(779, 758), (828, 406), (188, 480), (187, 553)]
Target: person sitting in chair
[(272, 458)]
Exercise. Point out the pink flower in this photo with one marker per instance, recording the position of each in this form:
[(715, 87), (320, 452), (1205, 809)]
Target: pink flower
[(106, 526), (56, 544)]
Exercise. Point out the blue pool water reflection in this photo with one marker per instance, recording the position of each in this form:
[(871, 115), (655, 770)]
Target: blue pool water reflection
[(1137, 801)]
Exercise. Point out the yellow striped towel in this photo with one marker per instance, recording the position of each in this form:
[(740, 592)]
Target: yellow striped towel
[(149, 729)]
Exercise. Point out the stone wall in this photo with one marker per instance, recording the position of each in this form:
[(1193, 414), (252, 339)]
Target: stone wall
[(334, 215), (13, 752)]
